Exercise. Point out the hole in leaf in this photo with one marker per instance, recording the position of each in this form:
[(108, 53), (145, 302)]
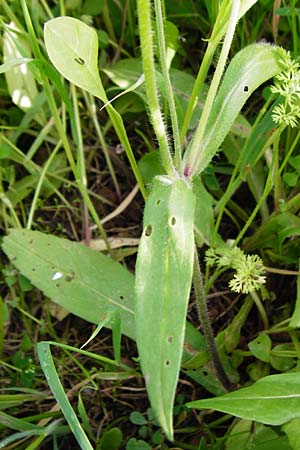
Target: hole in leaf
[(167, 363), (157, 202), (148, 230), (246, 89), (172, 221), (79, 60), (121, 297), (170, 339), (205, 373), (70, 276), (33, 269)]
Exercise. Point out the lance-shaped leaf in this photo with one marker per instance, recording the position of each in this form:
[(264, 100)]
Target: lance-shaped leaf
[(272, 400), (163, 282), (250, 68)]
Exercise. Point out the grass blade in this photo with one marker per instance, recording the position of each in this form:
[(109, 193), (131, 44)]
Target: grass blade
[(48, 367)]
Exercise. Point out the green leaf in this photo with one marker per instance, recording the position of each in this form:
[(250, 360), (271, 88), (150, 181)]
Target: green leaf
[(101, 287), (137, 418), (83, 281), (292, 430), (48, 367), (246, 435), (17, 424), (77, 61), (134, 444), (280, 358), (261, 347), (290, 178), (272, 400), (150, 166), (112, 439), (163, 281), (11, 400), (72, 47), (250, 68)]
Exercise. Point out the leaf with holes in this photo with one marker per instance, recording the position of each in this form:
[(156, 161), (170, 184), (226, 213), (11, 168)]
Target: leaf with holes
[(163, 281), (83, 281), (72, 47)]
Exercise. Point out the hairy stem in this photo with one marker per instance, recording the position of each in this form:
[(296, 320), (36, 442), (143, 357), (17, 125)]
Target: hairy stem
[(169, 89), (194, 158), (146, 39), (206, 323)]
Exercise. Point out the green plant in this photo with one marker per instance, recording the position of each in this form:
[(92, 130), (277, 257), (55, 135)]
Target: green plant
[(156, 318)]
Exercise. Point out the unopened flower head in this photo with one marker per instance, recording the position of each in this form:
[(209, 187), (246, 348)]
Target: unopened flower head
[(250, 272), (287, 84)]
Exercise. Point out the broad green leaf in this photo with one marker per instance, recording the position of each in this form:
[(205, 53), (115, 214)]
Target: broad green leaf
[(77, 61), (112, 439), (272, 400), (81, 280), (250, 68), (72, 47), (261, 347), (100, 288), (163, 281)]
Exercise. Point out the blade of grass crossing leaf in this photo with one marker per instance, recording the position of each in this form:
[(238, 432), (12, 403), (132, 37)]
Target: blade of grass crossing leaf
[(49, 370), (163, 281)]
